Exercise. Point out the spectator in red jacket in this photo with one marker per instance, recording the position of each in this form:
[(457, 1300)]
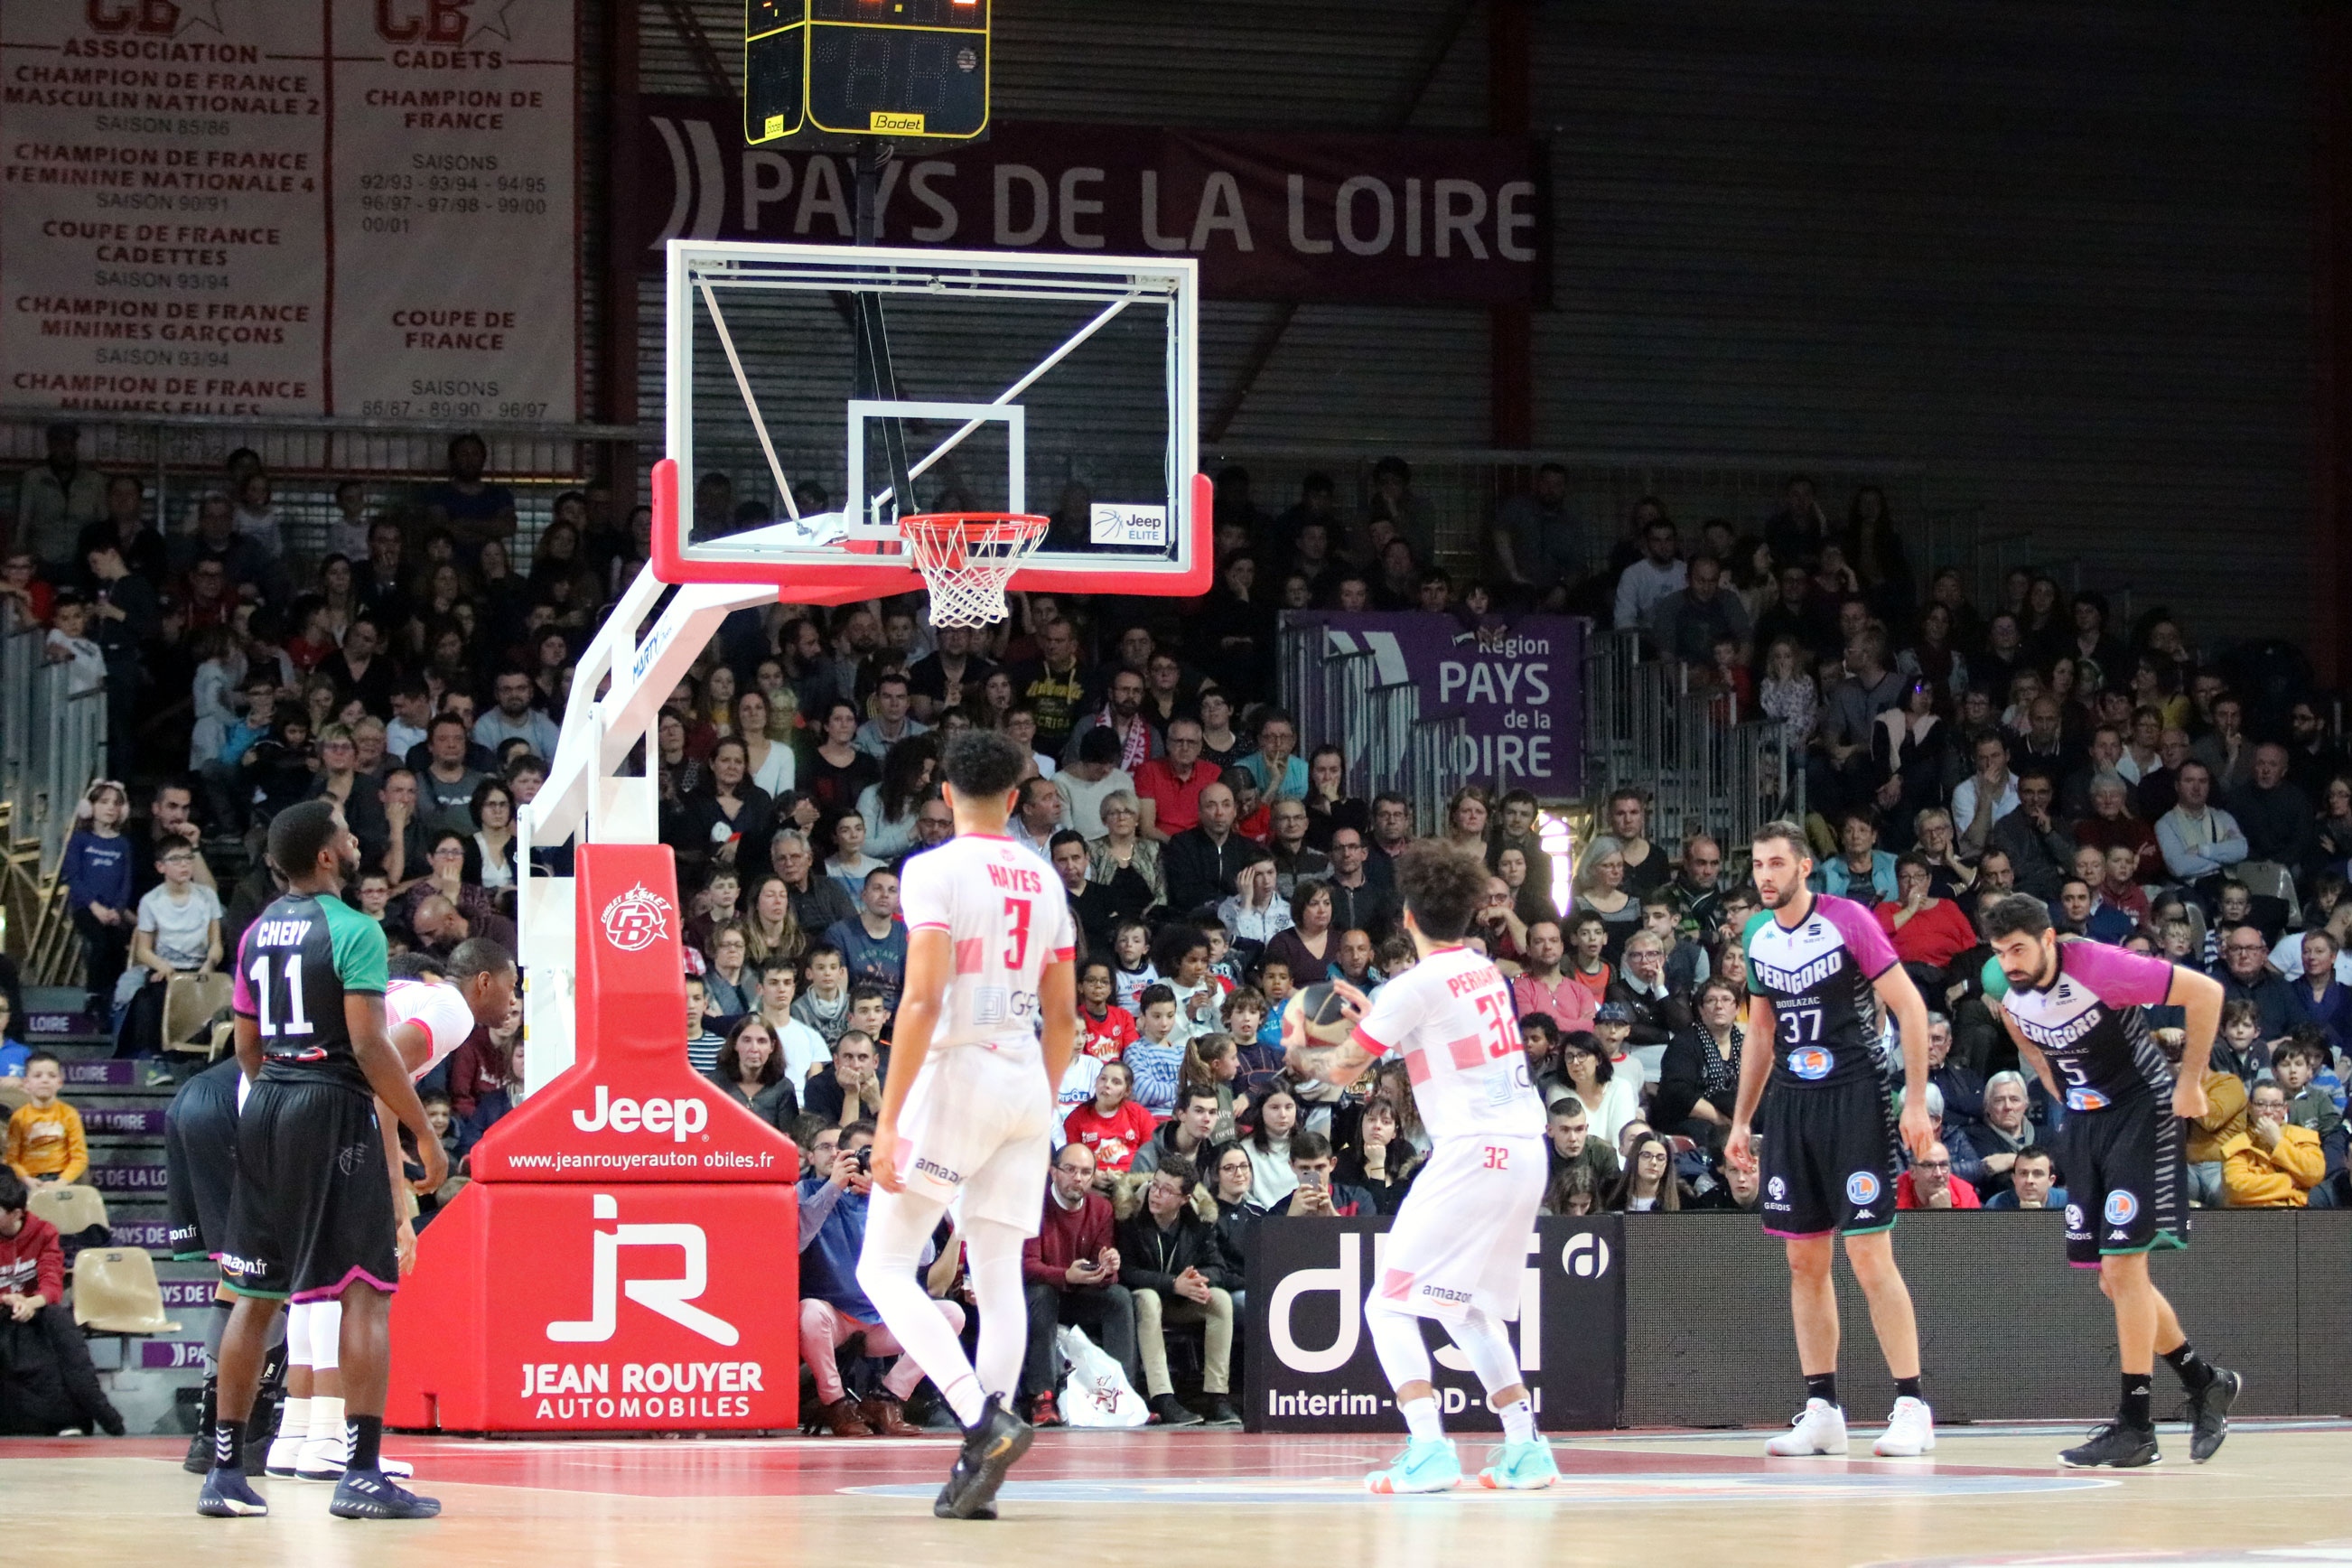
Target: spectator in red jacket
[(1111, 1126), (1929, 932), (1930, 1185), (1071, 1270), (36, 1328)]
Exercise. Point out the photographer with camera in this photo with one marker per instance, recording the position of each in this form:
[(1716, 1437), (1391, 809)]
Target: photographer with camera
[(834, 1310)]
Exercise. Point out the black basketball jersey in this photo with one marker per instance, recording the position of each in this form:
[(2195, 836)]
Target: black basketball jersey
[(294, 967)]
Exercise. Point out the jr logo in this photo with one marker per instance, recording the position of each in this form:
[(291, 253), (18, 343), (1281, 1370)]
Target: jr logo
[(671, 1297)]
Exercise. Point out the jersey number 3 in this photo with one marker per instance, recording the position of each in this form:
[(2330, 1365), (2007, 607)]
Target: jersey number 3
[(295, 1024), (1017, 941)]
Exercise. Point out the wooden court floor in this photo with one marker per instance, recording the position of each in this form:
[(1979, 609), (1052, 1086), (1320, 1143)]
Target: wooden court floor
[(2279, 1494)]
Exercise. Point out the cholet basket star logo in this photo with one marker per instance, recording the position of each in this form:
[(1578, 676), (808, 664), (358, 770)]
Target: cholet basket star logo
[(636, 919)]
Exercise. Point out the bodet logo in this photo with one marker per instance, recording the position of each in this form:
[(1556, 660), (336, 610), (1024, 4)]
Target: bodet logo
[(629, 1261)]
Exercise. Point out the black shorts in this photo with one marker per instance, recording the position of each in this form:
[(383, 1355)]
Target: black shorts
[(313, 1207), (1829, 1159), (2126, 1188), (200, 1161)]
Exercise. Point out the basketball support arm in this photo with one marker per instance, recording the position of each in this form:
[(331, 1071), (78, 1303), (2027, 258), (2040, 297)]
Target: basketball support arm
[(618, 691)]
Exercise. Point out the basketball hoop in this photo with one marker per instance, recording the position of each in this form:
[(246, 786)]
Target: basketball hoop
[(967, 557)]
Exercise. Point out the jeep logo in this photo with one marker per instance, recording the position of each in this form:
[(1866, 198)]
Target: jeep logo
[(676, 1117)]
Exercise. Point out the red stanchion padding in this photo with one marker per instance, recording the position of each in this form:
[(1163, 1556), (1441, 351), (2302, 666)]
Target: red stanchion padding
[(630, 1108), (624, 1307)]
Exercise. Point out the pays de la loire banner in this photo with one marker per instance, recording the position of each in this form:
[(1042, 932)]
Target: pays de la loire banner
[(290, 208), (1518, 684), (1269, 215)]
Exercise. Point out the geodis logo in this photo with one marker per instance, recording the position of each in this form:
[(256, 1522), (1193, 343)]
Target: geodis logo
[(636, 919)]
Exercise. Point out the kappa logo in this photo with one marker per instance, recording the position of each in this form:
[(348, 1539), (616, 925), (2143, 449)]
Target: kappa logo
[(636, 919), (1863, 1188), (2122, 1207)]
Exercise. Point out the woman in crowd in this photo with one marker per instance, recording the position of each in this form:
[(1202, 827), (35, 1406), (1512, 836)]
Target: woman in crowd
[(1165, 697), (768, 930), (1220, 743), (1469, 820), (771, 764), (1601, 889), (727, 811), (1788, 693), (1933, 658), (731, 984), (1328, 805), (752, 1070), (1935, 843), (889, 805), (1238, 1209), (1378, 1158), (1307, 943), (1699, 1078), (339, 768), (449, 871), (716, 705), (493, 857), (1910, 753), (1271, 1181), (838, 772), (1123, 850), (1648, 1183), (2112, 826), (849, 865), (1611, 1099), (2335, 822)]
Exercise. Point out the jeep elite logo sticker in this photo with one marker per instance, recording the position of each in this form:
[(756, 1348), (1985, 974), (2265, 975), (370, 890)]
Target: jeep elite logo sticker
[(636, 919)]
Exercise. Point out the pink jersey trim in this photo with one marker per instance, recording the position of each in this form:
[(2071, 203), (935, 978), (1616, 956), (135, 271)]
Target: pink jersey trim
[(1371, 1047), (929, 925)]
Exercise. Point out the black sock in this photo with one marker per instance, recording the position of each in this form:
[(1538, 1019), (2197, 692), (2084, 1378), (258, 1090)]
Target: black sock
[(1907, 1388), (366, 1436), (2135, 1411), (228, 1445), (2195, 1371), (1823, 1386)]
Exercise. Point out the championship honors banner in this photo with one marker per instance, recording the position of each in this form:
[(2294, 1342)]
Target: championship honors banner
[(1269, 215), (1311, 1364), (290, 208)]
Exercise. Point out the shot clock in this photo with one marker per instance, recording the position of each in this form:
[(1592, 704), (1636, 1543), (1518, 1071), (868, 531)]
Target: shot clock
[(913, 69)]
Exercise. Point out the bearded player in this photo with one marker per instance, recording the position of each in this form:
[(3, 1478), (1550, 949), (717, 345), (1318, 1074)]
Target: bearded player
[(1818, 969), (2076, 1010), (430, 1007), (968, 1111), (1460, 1242)]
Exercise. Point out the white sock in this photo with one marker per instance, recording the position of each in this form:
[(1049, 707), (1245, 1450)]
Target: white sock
[(896, 1226), (1518, 1420), (1421, 1420), (326, 1420), (294, 1420)]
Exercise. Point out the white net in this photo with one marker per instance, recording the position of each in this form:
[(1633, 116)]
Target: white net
[(967, 558)]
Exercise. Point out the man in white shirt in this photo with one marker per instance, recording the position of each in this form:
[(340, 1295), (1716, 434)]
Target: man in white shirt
[(1657, 573)]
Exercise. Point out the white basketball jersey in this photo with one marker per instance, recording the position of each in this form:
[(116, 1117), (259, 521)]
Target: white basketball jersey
[(439, 1010), (1450, 1017), (1008, 917)]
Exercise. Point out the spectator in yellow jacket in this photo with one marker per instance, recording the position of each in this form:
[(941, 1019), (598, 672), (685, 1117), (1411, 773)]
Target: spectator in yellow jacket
[(45, 1141), (2274, 1164), (2208, 1135)]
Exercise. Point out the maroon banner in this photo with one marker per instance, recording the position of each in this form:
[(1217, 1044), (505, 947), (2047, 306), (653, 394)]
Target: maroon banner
[(1271, 215)]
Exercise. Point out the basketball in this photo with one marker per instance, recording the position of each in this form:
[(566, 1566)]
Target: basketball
[(1323, 1014)]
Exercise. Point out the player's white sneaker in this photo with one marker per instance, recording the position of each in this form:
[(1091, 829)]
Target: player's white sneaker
[(1910, 1431), (1820, 1430)]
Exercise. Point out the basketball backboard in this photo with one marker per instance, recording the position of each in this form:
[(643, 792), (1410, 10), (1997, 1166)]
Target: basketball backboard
[(816, 393)]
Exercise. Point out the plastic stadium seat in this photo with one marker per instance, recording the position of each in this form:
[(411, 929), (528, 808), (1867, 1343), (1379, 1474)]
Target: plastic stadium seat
[(10, 1098), (189, 1004), (70, 1209), (114, 1292)]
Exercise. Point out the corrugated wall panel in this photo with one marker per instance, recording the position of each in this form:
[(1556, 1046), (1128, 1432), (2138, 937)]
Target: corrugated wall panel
[(2058, 254)]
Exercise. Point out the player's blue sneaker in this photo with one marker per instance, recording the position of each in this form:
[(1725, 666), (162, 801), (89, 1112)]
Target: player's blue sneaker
[(227, 1494), (1425, 1465), (1526, 1467), (370, 1494)]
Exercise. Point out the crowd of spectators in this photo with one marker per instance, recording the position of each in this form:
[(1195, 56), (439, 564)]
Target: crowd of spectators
[(1213, 859)]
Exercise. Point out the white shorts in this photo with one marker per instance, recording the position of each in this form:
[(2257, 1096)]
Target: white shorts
[(977, 1135), (1460, 1239)]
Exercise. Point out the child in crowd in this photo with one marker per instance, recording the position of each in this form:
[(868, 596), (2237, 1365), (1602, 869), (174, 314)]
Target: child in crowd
[(373, 895), (69, 642), (1224, 963), (825, 1005), (1130, 943), (178, 933), (2295, 1064), (1588, 939), (1257, 1036), (1612, 1025), (849, 864), (1182, 956), (96, 872), (45, 1138), (702, 1046), (1211, 1064), (1157, 1055), (1078, 1087), (1105, 1028), (1686, 965), (2241, 1049), (714, 906), (1111, 1124), (13, 1052), (804, 1051)]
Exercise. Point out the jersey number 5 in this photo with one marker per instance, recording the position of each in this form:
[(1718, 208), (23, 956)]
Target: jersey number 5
[(295, 1024), (1017, 941)]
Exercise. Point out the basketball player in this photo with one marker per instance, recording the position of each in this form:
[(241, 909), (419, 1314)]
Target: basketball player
[(2075, 1009), (311, 1217), (1819, 968), (200, 1173), (1460, 1242), (429, 1009), (968, 1112)]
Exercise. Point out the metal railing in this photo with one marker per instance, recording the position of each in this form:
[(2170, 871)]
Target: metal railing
[(1704, 766), (52, 739), (1332, 682)]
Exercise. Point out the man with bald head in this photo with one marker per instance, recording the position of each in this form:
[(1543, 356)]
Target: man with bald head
[(2274, 813), (1200, 862), (439, 926)]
